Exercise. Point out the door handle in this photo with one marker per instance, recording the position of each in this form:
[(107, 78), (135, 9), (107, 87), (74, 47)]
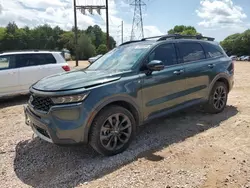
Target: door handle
[(211, 66), (178, 72)]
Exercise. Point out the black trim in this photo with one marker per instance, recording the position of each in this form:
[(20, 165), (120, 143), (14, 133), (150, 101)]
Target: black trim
[(172, 36)]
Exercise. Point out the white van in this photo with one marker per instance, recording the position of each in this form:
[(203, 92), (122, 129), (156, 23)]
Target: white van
[(19, 70)]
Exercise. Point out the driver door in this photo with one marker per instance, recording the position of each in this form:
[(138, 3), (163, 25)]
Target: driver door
[(163, 90)]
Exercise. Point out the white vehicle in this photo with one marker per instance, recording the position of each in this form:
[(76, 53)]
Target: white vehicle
[(66, 54), (19, 70), (93, 59)]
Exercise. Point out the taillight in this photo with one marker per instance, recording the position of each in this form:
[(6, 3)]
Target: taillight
[(66, 68)]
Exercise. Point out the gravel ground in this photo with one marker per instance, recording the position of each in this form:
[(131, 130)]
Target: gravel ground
[(81, 64), (188, 149)]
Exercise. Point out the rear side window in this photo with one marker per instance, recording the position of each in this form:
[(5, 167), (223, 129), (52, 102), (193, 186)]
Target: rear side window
[(49, 59), (212, 50), (27, 60), (191, 52)]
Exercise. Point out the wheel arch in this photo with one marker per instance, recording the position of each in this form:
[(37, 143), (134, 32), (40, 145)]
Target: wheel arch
[(223, 77), (122, 101)]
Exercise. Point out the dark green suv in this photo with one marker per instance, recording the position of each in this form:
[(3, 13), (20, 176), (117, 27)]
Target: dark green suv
[(134, 83)]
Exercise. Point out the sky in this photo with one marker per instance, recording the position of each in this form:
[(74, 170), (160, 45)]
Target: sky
[(214, 18)]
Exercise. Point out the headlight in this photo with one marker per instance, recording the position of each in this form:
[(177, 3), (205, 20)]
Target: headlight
[(69, 99)]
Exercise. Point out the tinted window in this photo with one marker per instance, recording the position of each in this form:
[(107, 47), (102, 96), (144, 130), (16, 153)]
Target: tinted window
[(191, 51), (212, 50), (165, 53), (27, 60), (49, 58), (7, 62)]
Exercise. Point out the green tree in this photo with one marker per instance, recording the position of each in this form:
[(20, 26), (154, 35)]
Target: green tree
[(85, 47), (102, 49), (67, 40), (237, 44), (183, 30), (44, 37)]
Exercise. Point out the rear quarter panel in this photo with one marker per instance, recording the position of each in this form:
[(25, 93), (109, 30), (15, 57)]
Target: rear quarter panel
[(57, 67)]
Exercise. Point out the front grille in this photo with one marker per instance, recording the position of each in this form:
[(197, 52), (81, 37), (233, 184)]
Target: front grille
[(41, 103)]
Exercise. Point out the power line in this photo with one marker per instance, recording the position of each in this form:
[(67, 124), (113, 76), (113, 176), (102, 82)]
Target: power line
[(90, 8)]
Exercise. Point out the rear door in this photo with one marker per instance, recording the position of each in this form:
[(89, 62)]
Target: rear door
[(198, 69), (8, 75), (30, 69)]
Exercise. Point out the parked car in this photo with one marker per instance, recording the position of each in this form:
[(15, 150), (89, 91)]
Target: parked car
[(93, 59), (132, 84), (246, 58), (233, 57), (241, 58), (66, 54), (19, 70)]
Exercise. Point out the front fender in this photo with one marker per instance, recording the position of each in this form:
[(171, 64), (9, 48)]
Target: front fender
[(105, 102)]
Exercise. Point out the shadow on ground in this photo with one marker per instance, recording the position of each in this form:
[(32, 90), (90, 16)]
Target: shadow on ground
[(13, 101), (41, 164)]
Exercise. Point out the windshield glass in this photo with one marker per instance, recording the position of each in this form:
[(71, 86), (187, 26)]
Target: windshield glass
[(120, 58)]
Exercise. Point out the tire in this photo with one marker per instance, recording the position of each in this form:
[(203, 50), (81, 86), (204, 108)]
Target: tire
[(105, 131), (219, 91)]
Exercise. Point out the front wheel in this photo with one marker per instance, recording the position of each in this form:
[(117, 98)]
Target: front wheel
[(112, 130), (217, 99)]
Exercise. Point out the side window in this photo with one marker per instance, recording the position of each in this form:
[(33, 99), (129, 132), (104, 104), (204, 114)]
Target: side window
[(212, 50), (4, 62), (49, 59), (7, 62), (26, 60), (191, 52), (39, 59), (165, 53)]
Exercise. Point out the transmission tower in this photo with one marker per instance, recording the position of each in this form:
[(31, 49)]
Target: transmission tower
[(137, 27)]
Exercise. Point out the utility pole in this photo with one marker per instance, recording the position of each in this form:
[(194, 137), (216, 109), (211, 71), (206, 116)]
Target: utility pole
[(90, 8), (107, 23), (122, 31), (137, 27), (76, 33)]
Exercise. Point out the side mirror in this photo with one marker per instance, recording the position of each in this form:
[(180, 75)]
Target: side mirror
[(155, 65)]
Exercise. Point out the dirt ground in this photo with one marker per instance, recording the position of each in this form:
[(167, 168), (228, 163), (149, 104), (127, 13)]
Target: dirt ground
[(81, 64), (188, 149)]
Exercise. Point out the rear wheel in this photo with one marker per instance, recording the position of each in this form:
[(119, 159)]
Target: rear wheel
[(112, 130), (217, 99)]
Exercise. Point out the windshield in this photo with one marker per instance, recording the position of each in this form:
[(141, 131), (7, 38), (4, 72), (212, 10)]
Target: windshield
[(120, 58)]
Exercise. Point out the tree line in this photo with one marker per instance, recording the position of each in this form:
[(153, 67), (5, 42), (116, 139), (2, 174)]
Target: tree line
[(91, 41), (237, 44)]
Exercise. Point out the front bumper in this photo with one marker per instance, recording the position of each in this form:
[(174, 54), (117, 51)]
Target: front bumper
[(62, 125)]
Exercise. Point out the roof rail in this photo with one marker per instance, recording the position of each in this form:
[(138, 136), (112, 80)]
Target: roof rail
[(128, 42), (172, 36), (143, 39), (178, 36)]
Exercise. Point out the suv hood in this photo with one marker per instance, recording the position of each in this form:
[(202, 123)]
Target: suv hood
[(76, 80)]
